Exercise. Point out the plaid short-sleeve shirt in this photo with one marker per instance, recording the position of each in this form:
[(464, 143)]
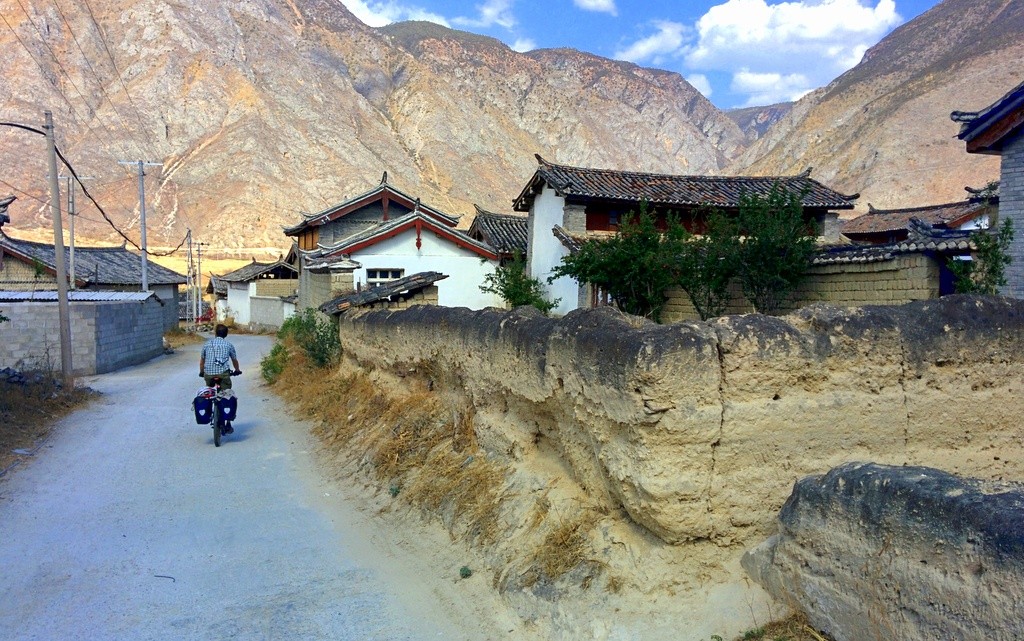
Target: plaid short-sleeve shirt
[(217, 355)]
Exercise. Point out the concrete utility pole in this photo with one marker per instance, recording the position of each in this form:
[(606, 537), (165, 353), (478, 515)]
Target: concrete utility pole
[(142, 211), (71, 227), (63, 308)]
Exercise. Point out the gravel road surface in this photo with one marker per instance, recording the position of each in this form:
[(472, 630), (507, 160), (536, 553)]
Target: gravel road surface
[(129, 524)]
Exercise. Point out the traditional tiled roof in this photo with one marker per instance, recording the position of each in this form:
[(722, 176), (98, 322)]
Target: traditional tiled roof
[(984, 130), (94, 266), (358, 202), (217, 286), (390, 228), (4, 202), (878, 221), (331, 264), (254, 270), (406, 287), (504, 232), (672, 190), (922, 237)]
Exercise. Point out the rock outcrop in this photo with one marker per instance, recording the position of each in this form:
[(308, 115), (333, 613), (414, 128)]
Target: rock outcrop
[(878, 552)]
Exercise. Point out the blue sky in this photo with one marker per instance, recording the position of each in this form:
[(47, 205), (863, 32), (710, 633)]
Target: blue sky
[(736, 52)]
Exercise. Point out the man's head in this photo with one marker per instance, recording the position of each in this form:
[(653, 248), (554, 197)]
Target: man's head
[(221, 331)]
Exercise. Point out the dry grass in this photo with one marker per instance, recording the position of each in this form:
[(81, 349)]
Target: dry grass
[(28, 412), (179, 338), (794, 628), (417, 439), (419, 442)]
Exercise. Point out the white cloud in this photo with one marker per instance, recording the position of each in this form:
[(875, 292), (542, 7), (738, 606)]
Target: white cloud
[(523, 45), (769, 88), (701, 83), (383, 12), (819, 37), (604, 6), (667, 41), (491, 12)]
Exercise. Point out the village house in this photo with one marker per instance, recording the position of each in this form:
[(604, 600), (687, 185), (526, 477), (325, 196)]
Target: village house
[(506, 233), (882, 226), (31, 266), (998, 129), (384, 235), (567, 205), (257, 295)]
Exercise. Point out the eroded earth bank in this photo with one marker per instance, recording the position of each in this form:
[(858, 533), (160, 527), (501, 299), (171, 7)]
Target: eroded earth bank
[(611, 473)]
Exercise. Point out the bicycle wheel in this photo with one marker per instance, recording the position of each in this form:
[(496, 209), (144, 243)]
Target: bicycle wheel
[(216, 424)]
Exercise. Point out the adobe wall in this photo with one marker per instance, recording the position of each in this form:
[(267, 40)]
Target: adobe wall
[(699, 430), (277, 286), (896, 281)]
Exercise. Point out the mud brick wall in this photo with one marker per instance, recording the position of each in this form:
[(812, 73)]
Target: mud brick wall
[(891, 282), (699, 430)]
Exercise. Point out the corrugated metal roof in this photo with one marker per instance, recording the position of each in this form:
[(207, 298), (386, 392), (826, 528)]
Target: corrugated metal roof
[(78, 295), (669, 190)]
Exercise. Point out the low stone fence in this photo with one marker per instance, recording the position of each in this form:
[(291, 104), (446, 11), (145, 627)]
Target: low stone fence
[(699, 430), (105, 335)]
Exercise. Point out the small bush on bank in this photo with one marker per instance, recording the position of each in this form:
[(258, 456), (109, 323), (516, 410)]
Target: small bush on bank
[(316, 336), (273, 364)]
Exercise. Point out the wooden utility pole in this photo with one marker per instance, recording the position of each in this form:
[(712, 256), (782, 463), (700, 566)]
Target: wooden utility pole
[(142, 212), (63, 308)]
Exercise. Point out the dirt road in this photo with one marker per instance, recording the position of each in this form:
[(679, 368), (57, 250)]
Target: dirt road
[(130, 524)]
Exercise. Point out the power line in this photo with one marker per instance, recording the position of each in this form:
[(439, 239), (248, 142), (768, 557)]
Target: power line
[(99, 81), (56, 60), (120, 78), (85, 191)]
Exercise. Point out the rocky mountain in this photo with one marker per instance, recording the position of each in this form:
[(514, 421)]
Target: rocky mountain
[(260, 110), (755, 122), (264, 109), (882, 129)]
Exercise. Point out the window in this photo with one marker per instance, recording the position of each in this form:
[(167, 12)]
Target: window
[(378, 276)]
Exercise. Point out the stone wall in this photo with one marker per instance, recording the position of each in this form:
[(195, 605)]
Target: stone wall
[(1011, 205), (105, 336), (896, 281), (426, 296), (879, 552), (699, 430)]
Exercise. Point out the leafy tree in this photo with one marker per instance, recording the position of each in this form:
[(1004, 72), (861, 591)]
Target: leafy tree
[(707, 264), (516, 288), (776, 248), (634, 267), (317, 336), (987, 272)]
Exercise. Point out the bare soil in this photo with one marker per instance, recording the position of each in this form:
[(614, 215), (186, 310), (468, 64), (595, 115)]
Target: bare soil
[(26, 414)]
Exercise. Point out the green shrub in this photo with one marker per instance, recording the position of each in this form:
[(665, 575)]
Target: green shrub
[(987, 272), (273, 363), (516, 288), (315, 335)]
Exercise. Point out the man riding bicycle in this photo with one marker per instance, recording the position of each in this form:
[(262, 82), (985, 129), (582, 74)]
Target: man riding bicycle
[(214, 359)]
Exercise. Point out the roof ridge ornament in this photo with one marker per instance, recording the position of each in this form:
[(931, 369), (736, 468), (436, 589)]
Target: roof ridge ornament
[(384, 178)]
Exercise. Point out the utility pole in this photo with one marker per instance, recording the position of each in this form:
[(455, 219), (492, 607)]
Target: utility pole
[(63, 308), (142, 211), (199, 268), (71, 227)]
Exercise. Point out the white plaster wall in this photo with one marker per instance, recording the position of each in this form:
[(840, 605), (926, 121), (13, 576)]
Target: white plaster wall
[(981, 222), (465, 270), (547, 251), (238, 302)]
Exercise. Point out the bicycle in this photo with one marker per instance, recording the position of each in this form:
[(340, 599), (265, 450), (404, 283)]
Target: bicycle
[(218, 399)]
